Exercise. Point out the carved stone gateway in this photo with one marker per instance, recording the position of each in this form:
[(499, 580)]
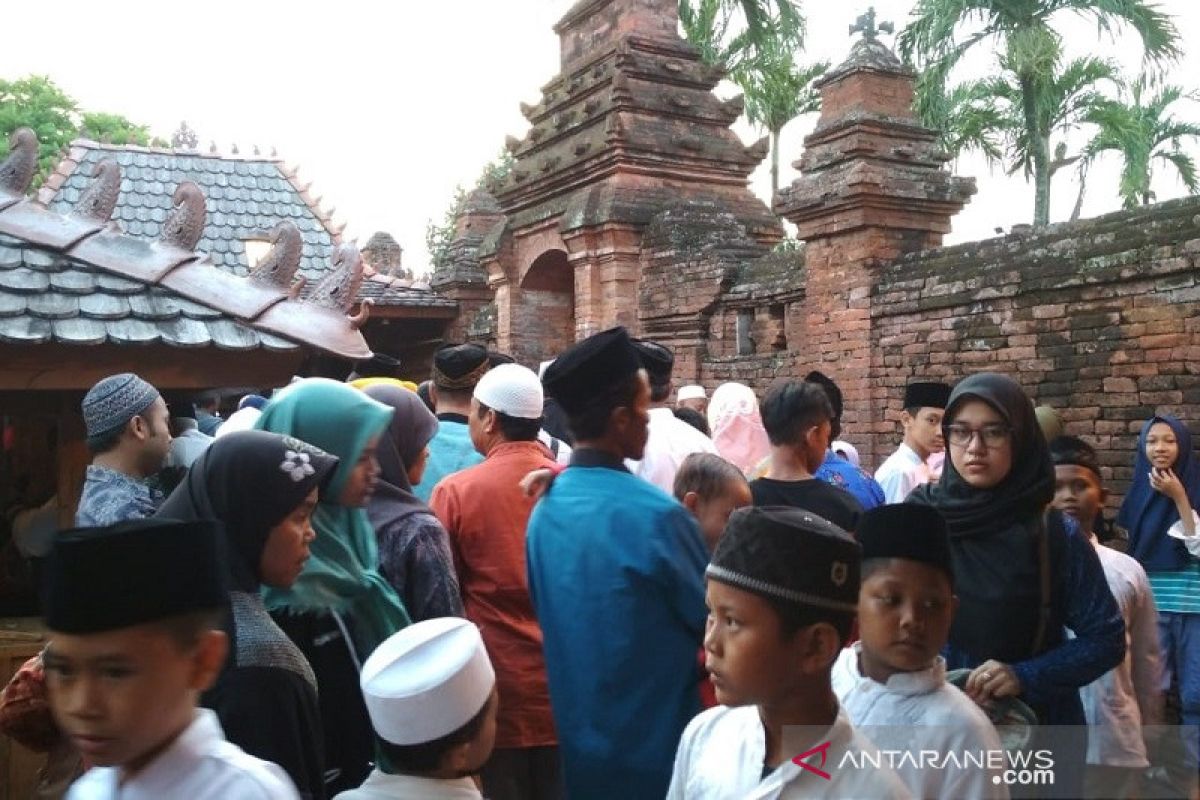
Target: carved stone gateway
[(629, 128)]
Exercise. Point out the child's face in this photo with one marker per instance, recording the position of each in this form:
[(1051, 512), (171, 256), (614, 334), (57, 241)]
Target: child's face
[(1161, 447), (122, 696), (904, 614), (713, 513), (475, 753), (1077, 492), (925, 429), (745, 651), (286, 550), (361, 484)]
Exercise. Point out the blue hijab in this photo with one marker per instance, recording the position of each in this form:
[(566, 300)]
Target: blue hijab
[(1147, 514)]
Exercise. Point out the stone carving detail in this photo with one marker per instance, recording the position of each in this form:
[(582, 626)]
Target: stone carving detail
[(100, 198), (338, 289), (185, 222), (17, 171), (279, 266)]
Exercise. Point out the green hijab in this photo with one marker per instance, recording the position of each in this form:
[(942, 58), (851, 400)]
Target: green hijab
[(343, 573)]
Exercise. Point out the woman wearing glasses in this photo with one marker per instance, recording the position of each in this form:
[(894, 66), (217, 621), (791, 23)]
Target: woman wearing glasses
[(1023, 574)]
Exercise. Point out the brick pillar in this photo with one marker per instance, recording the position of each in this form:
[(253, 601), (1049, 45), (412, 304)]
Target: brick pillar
[(463, 278), (873, 187)]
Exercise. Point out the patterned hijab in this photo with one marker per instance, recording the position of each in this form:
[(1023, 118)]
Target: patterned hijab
[(250, 481), (343, 573)]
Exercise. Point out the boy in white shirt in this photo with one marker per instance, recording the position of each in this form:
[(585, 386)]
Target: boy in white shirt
[(781, 590), (430, 690), (892, 682), (134, 613), (1120, 703)]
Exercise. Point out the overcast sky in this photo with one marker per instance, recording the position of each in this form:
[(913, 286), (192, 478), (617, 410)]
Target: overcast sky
[(386, 107)]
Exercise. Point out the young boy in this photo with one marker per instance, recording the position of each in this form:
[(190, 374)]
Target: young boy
[(712, 489), (781, 591), (892, 682), (431, 693), (1129, 697), (798, 418), (134, 614)]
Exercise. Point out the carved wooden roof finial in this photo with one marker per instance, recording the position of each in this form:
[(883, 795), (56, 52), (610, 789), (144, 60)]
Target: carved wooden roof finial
[(279, 266), (185, 222), (17, 171), (338, 289), (100, 198)]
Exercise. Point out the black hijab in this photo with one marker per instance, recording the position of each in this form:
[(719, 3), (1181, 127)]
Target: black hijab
[(1029, 486), (250, 481), (413, 425)]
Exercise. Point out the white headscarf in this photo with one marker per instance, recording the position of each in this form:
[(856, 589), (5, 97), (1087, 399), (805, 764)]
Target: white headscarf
[(736, 425)]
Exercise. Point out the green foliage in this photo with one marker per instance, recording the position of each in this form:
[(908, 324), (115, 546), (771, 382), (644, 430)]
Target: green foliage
[(439, 235), (737, 33), (36, 102), (1022, 33), (776, 91), (1140, 128), (112, 128)]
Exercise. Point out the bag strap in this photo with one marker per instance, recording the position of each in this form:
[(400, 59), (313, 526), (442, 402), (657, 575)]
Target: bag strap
[(1039, 638)]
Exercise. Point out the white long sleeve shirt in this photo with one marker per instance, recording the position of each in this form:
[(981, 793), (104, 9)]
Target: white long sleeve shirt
[(722, 752), (1129, 696), (901, 472), (199, 765), (670, 441)]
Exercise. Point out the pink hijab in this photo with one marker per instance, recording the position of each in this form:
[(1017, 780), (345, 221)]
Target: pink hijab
[(737, 428)]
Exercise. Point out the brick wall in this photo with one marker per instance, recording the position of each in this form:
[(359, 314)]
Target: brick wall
[(1099, 319)]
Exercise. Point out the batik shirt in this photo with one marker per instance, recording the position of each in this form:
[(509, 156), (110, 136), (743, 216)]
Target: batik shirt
[(110, 497)]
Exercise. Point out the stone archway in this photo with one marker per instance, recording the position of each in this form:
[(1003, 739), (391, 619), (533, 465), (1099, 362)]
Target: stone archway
[(544, 322)]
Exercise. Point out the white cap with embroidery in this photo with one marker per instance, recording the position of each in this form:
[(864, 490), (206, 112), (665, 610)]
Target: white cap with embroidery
[(691, 393), (511, 389)]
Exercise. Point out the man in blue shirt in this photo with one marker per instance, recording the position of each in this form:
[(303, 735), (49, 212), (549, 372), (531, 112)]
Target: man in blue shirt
[(127, 432), (616, 570), (456, 370)]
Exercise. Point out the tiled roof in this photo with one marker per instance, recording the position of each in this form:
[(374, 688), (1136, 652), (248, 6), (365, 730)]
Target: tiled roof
[(246, 197), (76, 279)]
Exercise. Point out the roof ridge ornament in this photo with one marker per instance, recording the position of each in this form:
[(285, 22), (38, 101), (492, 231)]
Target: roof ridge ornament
[(338, 289), (865, 24), (278, 267), (18, 169), (99, 199), (185, 221)]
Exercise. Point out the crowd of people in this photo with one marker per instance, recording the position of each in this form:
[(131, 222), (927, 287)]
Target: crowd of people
[(583, 583)]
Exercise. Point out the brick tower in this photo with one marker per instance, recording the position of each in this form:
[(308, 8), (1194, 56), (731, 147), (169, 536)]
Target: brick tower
[(629, 127)]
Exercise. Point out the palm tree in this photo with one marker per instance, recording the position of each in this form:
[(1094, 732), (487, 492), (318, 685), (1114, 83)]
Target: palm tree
[(733, 33), (1142, 131), (1062, 100), (777, 91), (942, 31), (966, 118)]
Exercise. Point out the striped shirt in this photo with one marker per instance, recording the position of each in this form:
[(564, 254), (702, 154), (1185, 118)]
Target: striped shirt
[(1178, 591)]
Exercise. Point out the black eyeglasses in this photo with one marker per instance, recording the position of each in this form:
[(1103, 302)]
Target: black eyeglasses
[(995, 435)]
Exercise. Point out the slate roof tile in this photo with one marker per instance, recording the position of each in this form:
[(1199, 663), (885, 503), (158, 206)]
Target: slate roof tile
[(246, 196)]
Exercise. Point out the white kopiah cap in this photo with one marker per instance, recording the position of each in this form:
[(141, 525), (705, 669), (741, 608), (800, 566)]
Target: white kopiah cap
[(511, 389), (427, 681), (691, 393)]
